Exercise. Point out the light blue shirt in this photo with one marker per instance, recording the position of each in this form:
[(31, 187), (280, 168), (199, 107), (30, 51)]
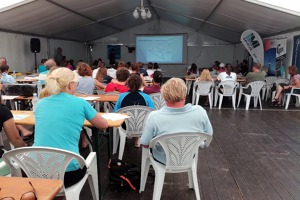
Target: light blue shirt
[(9, 79), (86, 85), (169, 120), (58, 122)]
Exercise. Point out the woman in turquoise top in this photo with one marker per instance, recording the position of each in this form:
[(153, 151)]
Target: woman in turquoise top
[(59, 118)]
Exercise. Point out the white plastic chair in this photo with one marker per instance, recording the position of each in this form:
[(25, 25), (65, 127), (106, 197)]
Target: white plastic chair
[(292, 94), (181, 151), (229, 90), (255, 93), (203, 88), (134, 125), (51, 163), (158, 100), (266, 91), (277, 82)]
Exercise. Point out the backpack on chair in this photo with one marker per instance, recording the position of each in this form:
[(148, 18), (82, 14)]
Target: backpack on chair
[(123, 176)]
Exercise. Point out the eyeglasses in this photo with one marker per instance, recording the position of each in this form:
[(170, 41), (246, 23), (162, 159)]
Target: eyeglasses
[(31, 195), (77, 83)]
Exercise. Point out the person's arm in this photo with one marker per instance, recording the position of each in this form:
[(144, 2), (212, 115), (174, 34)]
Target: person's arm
[(143, 80), (12, 133), (148, 132), (99, 85), (99, 122)]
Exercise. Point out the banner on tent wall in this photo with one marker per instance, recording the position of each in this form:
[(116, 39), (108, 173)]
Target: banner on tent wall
[(274, 55), (114, 50), (296, 52), (253, 43)]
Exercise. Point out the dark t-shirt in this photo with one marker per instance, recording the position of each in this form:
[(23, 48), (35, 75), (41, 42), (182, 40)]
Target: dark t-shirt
[(107, 79), (151, 89), (5, 115), (134, 98)]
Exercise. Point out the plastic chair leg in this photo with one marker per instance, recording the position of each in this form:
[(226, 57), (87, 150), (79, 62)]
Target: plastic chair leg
[(255, 101), (233, 101), (197, 99), (115, 140), (240, 96), (287, 101), (158, 183), (144, 169), (195, 181), (259, 99), (93, 177), (210, 99), (220, 101), (248, 98), (122, 144)]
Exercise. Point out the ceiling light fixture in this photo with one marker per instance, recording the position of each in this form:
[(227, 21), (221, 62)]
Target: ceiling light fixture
[(145, 12)]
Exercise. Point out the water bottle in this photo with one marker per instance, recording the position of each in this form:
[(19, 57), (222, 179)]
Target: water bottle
[(14, 74), (4, 78), (34, 102), (39, 87)]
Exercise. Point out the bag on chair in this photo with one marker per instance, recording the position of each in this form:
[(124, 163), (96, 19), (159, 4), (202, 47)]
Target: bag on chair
[(123, 176)]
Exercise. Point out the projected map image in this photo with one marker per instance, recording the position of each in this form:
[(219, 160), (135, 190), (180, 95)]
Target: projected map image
[(161, 49)]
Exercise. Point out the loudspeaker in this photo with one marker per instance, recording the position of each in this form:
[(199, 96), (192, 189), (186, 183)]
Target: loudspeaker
[(35, 45), (131, 49)]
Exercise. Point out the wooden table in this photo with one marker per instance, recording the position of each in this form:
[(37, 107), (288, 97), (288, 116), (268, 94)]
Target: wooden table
[(100, 140), (27, 80), (17, 186)]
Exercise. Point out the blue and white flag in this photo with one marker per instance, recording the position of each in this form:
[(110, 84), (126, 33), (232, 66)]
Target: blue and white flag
[(254, 45)]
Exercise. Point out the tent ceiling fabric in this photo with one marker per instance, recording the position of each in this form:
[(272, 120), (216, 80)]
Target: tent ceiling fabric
[(89, 20)]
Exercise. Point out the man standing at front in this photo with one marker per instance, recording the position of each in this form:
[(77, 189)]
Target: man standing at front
[(174, 117)]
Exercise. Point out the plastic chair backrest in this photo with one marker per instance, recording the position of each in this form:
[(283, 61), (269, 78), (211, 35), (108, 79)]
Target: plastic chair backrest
[(281, 80), (270, 80), (180, 148), (138, 116), (158, 100), (203, 87), (228, 87), (256, 87), (42, 162)]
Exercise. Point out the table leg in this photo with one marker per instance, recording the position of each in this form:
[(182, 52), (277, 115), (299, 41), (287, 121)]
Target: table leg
[(100, 140)]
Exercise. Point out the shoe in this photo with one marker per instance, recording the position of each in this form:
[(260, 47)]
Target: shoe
[(28, 138)]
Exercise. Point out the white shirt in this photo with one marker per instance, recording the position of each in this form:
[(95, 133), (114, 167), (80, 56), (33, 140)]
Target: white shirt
[(223, 76), (111, 72), (95, 71)]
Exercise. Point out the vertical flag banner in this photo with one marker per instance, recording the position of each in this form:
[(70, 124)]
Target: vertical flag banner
[(296, 52), (280, 49), (253, 43), (270, 56)]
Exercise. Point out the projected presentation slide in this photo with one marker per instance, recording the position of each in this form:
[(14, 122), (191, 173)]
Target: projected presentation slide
[(160, 49)]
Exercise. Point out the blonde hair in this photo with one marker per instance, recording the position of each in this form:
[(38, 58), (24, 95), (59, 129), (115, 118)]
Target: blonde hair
[(205, 76), (58, 80), (174, 90)]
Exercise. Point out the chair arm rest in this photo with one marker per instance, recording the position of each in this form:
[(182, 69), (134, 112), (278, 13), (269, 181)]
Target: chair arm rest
[(91, 157)]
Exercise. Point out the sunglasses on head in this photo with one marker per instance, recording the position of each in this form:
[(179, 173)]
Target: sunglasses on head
[(30, 195)]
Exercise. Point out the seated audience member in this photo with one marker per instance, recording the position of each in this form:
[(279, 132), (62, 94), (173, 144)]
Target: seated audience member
[(42, 67), (156, 82), (244, 67), (255, 75), (222, 68), (102, 76), (228, 75), (215, 68), (54, 114), (3, 61), (8, 123), (150, 69), (136, 70), (265, 69), (286, 88), (112, 72), (156, 66), (205, 76), (134, 97), (142, 70), (95, 71), (192, 70), (120, 84), (166, 120), (87, 83), (121, 64), (9, 78), (49, 64)]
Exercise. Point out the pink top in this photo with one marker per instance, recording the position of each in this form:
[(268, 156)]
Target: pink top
[(294, 79)]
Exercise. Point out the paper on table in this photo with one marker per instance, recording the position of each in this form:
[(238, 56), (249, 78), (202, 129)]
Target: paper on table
[(114, 116), (8, 97), (89, 98), (19, 116)]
